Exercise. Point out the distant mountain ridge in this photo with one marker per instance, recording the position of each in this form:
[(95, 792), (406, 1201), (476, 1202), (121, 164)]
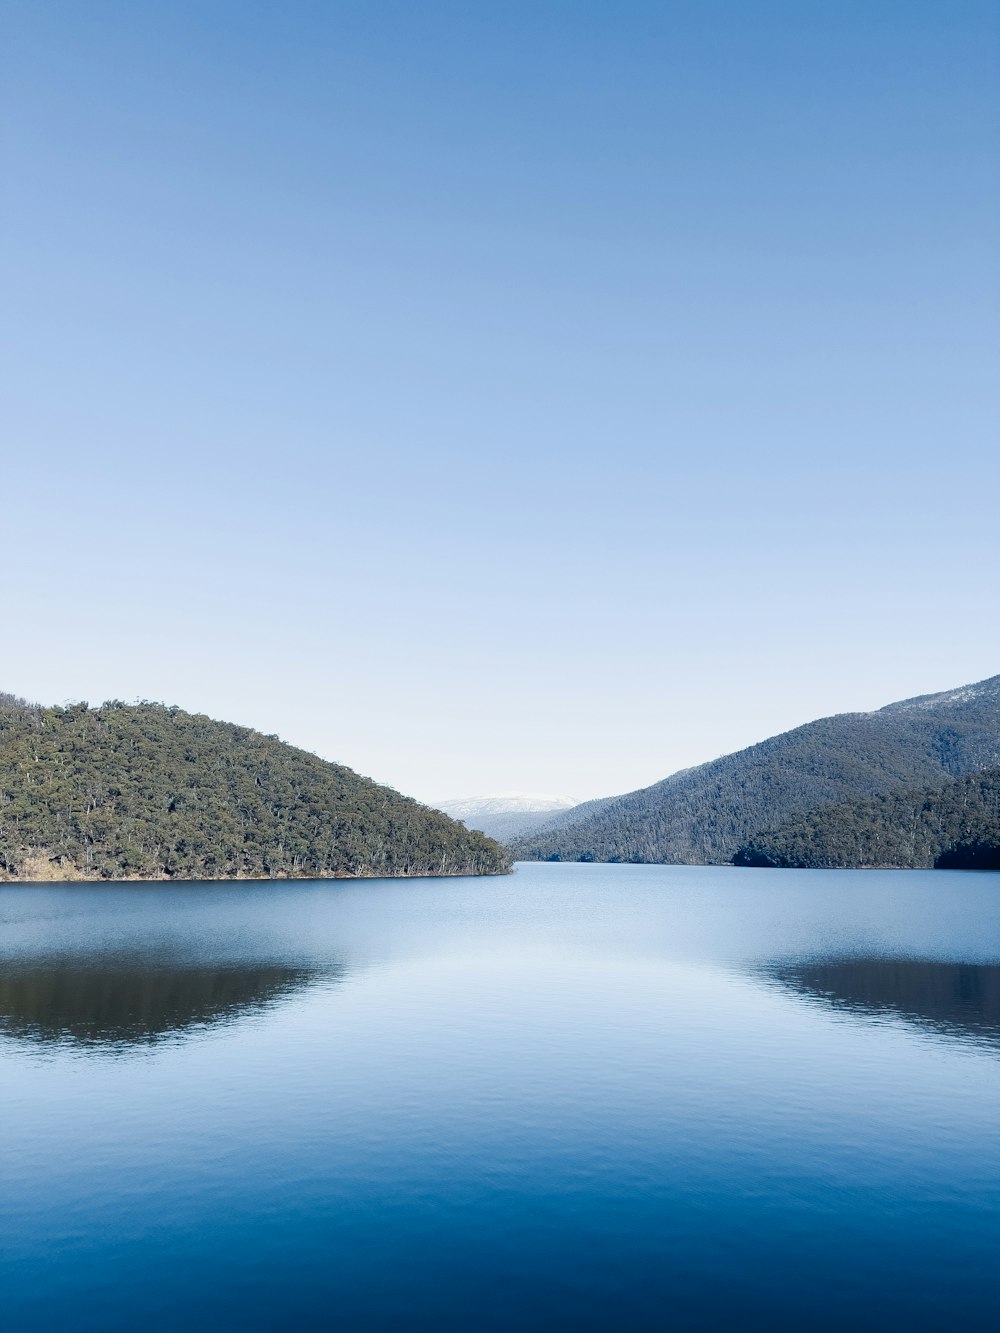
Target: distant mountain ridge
[(507, 815), (143, 791), (704, 815)]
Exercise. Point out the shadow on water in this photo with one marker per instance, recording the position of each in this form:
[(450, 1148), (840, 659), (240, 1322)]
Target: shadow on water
[(129, 1001), (958, 1000)]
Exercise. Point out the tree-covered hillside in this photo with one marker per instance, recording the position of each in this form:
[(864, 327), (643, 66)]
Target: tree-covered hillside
[(134, 791), (704, 815), (954, 826)]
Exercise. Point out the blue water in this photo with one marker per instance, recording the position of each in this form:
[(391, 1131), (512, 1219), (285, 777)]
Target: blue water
[(582, 1096)]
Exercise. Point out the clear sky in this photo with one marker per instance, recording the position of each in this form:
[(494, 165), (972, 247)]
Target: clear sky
[(530, 395)]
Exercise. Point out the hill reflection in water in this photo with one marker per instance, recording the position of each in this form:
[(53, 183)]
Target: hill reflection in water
[(952, 999), (129, 1001)]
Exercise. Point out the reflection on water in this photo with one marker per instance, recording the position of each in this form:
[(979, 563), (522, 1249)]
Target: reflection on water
[(136, 1000), (582, 1096), (955, 999)]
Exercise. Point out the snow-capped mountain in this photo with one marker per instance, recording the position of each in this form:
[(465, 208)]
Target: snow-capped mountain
[(508, 815)]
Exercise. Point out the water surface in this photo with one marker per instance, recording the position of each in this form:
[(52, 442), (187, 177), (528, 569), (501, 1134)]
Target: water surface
[(598, 1097)]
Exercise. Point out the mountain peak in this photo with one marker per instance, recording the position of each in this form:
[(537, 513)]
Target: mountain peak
[(508, 814), (963, 694)]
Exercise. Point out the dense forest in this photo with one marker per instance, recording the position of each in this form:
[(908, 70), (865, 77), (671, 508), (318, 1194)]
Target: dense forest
[(704, 815), (953, 826), (146, 791)]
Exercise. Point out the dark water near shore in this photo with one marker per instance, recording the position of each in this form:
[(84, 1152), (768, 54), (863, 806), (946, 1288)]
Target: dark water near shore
[(591, 1097)]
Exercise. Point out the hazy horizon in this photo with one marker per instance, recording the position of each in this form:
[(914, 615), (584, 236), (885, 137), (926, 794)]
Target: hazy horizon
[(535, 398)]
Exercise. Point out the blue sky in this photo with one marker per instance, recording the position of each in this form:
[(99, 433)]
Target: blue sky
[(490, 397)]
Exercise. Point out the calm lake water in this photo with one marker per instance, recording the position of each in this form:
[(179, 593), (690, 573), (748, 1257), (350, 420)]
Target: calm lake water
[(582, 1096)]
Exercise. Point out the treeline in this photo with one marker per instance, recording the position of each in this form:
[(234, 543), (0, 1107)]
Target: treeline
[(705, 815), (147, 791), (954, 826)]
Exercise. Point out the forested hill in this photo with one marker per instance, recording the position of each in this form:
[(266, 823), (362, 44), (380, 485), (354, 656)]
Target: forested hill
[(704, 815), (136, 791), (953, 826)]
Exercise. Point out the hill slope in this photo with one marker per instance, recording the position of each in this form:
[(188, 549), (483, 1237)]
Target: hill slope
[(142, 791), (704, 815), (954, 826)]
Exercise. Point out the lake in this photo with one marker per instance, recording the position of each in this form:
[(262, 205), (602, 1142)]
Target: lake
[(581, 1096)]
